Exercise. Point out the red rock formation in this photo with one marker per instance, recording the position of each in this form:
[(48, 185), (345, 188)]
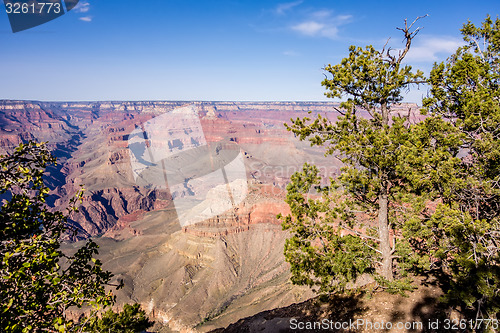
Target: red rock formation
[(91, 140)]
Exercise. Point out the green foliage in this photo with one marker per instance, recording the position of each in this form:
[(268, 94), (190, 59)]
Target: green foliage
[(130, 320), (38, 282), (436, 183), (318, 253), (352, 229), (371, 78), (462, 236)]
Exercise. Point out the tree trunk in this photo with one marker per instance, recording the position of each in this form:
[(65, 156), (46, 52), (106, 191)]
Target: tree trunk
[(383, 233), (385, 113), (383, 212)]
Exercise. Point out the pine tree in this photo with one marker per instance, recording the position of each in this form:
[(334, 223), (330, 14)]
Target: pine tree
[(462, 235), (352, 229)]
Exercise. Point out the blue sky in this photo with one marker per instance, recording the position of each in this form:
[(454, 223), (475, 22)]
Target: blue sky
[(215, 50)]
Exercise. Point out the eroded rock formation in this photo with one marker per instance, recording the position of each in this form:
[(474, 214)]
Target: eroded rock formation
[(199, 276)]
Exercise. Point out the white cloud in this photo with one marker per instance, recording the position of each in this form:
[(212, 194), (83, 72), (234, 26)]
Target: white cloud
[(82, 7), (85, 18), (331, 32), (322, 24), (321, 14), (291, 53), (428, 48), (310, 28), (284, 7), (344, 18)]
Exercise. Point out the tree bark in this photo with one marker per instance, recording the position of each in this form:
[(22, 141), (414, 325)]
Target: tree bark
[(385, 113), (383, 233), (383, 212)]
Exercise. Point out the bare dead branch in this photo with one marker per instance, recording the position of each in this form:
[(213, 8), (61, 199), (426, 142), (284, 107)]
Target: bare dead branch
[(408, 37), (338, 110), (383, 49)]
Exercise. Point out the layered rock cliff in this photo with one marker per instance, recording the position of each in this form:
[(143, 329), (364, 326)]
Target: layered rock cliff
[(90, 142), (189, 276)]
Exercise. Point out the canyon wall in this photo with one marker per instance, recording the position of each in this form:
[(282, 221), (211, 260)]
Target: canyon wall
[(190, 276)]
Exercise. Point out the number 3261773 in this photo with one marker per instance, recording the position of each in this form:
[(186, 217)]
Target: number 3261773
[(32, 8)]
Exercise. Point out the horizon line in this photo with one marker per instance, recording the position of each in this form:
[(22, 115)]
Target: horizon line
[(179, 100)]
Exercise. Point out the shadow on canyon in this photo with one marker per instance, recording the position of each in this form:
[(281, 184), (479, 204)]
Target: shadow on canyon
[(418, 309)]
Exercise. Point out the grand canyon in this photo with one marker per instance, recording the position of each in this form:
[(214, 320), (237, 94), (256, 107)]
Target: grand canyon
[(189, 275)]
